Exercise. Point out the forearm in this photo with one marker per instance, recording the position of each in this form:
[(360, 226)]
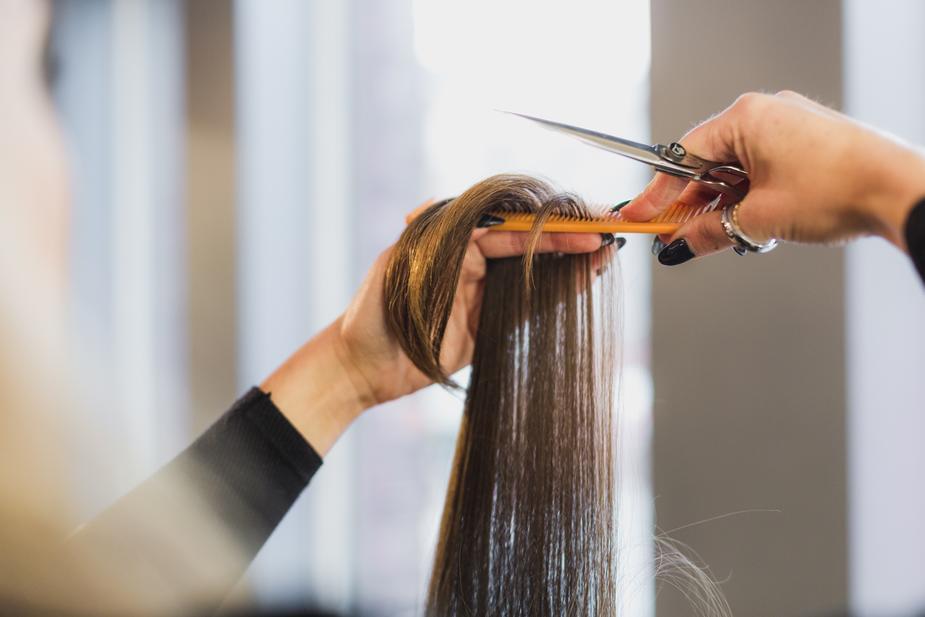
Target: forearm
[(317, 390)]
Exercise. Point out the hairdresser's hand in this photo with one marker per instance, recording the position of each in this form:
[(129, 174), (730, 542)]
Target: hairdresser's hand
[(355, 363), (816, 177)]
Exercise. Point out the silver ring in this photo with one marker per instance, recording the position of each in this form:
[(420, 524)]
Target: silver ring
[(730, 222)]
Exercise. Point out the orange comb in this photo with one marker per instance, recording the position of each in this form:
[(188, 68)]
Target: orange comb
[(666, 223)]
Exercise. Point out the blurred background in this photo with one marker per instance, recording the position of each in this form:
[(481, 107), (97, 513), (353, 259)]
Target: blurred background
[(236, 165)]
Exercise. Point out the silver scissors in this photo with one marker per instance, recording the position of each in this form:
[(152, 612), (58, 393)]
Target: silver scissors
[(726, 178)]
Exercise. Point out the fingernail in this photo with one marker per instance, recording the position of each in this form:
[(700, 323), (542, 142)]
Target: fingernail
[(741, 251), (620, 205), (657, 245), (608, 239), (675, 253), (489, 220)]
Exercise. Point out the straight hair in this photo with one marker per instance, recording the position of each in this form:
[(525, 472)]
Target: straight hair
[(529, 521), (528, 525)]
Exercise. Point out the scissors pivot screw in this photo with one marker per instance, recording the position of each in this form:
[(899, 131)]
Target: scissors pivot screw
[(676, 152)]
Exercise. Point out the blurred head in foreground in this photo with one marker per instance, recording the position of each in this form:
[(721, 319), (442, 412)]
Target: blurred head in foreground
[(41, 573)]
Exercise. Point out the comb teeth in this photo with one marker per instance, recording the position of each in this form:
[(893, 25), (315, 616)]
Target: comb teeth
[(667, 222), (552, 218)]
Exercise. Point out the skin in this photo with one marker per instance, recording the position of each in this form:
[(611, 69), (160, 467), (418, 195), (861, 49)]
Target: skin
[(351, 365), (355, 363), (816, 175)]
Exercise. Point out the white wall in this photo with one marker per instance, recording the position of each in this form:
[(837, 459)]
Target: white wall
[(885, 86), (293, 251)]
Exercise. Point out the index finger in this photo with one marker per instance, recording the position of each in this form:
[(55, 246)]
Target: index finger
[(714, 140), (498, 244), (661, 192)]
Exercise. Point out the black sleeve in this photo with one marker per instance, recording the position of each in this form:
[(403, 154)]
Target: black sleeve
[(184, 537), (915, 237), (252, 464)]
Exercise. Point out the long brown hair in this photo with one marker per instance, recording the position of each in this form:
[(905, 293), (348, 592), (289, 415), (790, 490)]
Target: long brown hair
[(528, 525)]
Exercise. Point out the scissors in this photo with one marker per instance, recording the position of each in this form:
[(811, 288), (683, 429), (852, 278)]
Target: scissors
[(726, 178)]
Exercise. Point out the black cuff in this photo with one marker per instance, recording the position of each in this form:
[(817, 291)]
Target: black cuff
[(915, 237), (260, 409)]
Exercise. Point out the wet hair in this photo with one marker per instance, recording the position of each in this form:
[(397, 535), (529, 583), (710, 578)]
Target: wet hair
[(528, 525)]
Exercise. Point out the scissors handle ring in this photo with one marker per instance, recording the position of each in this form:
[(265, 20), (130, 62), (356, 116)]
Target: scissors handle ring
[(713, 177), (729, 170)]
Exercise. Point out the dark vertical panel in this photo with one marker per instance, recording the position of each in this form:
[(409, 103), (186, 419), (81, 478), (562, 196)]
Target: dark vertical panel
[(210, 206), (748, 352)]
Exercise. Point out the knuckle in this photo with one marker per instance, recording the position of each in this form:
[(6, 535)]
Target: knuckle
[(707, 236), (515, 243), (788, 94), (747, 103), (565, 243), (755, 224), (702, 244)]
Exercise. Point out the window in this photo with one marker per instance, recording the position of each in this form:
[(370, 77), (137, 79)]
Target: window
[(346, 116)]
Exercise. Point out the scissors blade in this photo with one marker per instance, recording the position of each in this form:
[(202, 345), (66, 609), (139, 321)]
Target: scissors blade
[(624, 147)]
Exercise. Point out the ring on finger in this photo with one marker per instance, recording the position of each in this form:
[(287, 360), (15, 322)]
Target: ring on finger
[(730, 223)]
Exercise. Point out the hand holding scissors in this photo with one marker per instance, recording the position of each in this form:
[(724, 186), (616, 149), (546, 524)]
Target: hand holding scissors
[(815, 176), (786, 167)]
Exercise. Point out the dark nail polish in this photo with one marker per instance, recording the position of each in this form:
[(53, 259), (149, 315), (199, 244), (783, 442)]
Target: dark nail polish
[(621, 242), (607, 239), (620, 205), (657, 245), (489, 220), (675, 253), (741, 251)]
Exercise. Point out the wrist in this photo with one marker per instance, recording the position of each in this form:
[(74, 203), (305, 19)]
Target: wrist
[(902, 185), (316, 390)]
